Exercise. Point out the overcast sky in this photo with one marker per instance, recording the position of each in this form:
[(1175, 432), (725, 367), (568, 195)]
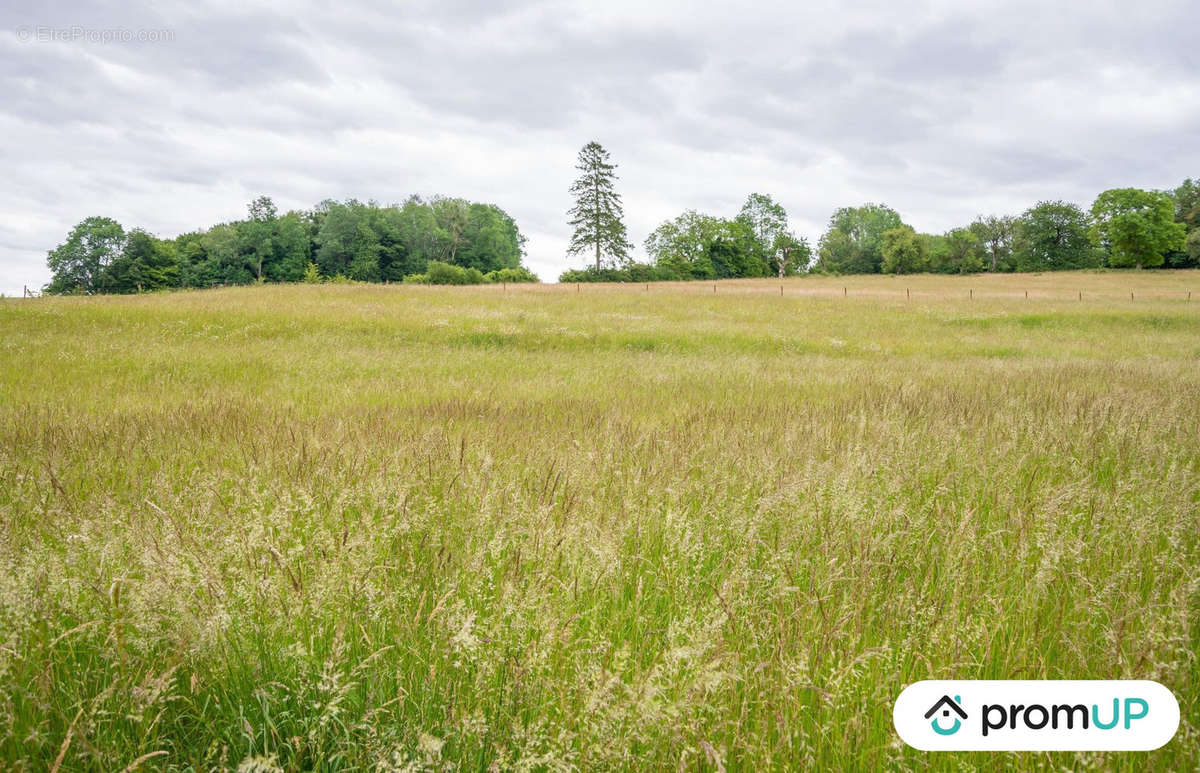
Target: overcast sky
[(942, 110)]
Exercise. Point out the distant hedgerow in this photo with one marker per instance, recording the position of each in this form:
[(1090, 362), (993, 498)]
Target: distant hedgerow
[(635, 272)]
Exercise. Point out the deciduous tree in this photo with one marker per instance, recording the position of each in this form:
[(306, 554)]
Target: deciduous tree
[(258, 235), (959, 252), (995, 233), (904, 251), (1137, 227), (145, 264), (1187, 211), (684, 244), (766, 221), (853, 244), (78, 263), (790, 254), (1053, 236)]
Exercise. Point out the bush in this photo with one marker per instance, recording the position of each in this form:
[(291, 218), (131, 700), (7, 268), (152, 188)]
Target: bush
[(518, 274), (635, 272), (439, 273)]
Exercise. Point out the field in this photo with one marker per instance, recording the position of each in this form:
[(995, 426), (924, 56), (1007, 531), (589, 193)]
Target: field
[(347, 527)]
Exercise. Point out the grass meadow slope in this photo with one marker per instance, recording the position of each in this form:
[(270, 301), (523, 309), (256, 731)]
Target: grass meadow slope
[(597, 528)]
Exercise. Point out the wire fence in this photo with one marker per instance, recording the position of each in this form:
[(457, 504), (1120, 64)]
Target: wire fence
[(904, 293), (795, 289)]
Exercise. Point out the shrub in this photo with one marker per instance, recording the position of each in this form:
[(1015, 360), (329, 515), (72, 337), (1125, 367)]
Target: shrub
[(518, 274), (635, 272), (439, 273)]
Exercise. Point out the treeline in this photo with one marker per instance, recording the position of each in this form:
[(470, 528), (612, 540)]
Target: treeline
[(1125, 228), (442, 240), (754, 243)]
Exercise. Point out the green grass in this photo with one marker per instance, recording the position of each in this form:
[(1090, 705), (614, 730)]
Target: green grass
[(365, 527)]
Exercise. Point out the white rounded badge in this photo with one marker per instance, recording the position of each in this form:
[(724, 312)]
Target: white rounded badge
[(1030, 715)]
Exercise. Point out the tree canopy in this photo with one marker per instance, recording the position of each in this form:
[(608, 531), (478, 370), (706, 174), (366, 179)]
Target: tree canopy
[(995, 235), (684, 245), (365, 242), (904, 251), (958, 251), (755, 243), (1137, 227), (1053, 236), (853, 244), (1187, 212), (453, 240), (81, 262)]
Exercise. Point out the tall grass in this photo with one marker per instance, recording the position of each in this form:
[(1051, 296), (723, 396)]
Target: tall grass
[(413, 528)]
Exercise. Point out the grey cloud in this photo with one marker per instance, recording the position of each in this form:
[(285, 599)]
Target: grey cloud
[(548, 86), (953, 50), (941, 111), (245, 54)]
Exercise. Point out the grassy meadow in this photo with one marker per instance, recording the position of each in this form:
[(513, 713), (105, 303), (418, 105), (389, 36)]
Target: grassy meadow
[(352, 527)]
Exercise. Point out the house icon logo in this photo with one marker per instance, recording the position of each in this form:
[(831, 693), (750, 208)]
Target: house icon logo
[(945, 706)]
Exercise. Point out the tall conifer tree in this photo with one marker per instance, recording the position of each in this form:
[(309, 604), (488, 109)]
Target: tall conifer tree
[(597, 215)]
